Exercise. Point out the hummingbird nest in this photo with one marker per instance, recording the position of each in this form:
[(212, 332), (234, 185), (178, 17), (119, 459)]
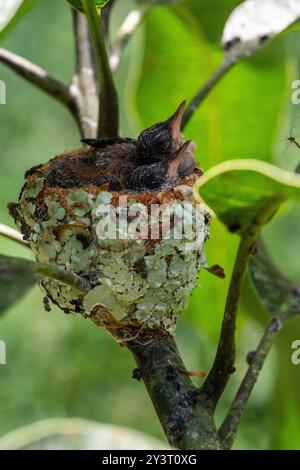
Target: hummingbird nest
[(123, 215)]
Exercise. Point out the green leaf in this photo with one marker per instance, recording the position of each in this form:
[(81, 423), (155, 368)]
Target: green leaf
[(78, 5), (15, 280), (11, 13), (246, 193), (279, 295), (253, 23)]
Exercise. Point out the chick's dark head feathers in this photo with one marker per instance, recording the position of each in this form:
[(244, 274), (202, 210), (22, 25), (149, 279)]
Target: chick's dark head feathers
[(155, 176), (162, 139)]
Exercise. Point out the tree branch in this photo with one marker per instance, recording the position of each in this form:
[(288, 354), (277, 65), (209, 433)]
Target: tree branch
[(223, 365), (226, 65), (228, 430), (84, 84), (40, 78), (187, 422), (128, 27), (109, 114), (12, 234)]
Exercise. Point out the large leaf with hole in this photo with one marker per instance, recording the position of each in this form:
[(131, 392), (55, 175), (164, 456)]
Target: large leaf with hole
[(254, 22)]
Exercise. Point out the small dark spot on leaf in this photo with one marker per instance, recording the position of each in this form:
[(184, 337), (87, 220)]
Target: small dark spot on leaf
[(230, 44), (263, 38)]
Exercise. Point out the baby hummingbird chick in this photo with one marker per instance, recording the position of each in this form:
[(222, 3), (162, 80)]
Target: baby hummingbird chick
[(161, 140), (165, 173)]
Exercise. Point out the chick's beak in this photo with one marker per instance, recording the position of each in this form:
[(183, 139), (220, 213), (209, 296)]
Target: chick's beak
[(179, 159), (175, 123)]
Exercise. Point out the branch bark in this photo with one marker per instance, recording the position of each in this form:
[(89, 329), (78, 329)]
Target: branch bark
[(223, 365), (184, 416), (40, 78), (229, 428), (85, 81), (198, 99), (127, 28)]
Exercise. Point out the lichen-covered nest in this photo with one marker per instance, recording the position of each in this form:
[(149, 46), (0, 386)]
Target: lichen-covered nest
[(68, 205)]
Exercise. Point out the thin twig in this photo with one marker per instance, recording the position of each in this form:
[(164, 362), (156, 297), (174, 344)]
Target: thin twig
[(223, 365), (47, 270), (38, 77), (126, 30), (228, 430), (60, 275), (84, 84), (226, 65), (12, 234), (109, 113)]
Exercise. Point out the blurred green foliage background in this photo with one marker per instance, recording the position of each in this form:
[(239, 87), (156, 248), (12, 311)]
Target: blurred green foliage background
[(59, 366)]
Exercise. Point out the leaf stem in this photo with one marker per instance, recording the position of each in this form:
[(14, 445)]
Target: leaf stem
[(200, 96), (109, 113)]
